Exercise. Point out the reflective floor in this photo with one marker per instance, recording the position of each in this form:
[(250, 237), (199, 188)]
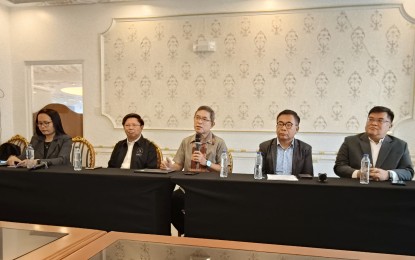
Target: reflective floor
[(131, 250), (18, 242)]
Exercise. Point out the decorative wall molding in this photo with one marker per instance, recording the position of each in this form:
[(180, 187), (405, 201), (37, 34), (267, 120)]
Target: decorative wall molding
[(331, 65)]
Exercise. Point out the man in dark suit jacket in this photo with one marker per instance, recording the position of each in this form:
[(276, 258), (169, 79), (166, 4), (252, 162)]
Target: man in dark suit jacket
[(389, 155), (294, 156)]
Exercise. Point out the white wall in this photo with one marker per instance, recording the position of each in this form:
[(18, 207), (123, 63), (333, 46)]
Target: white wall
[(6, 129), (72, 33)]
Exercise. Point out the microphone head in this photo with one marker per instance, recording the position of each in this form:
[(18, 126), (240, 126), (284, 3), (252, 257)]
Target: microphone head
[(198, 143), (197, 138)]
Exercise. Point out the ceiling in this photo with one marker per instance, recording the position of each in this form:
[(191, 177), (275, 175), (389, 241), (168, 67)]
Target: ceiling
[(59, 2)]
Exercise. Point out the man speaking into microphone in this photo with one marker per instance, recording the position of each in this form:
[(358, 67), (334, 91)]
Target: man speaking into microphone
[(199, 152), (202, 149)]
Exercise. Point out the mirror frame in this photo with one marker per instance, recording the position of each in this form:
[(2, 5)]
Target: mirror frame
[(29, 86)]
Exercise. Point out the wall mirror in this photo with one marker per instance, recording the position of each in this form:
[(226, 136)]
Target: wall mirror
[(58, 83)]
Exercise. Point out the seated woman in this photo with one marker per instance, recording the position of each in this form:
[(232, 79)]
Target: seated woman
[(51, 144)]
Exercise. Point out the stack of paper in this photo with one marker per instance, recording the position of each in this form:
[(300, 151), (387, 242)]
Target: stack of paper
[(276, 177)]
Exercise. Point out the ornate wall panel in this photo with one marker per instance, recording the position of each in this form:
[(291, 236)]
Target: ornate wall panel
[(330, 65)]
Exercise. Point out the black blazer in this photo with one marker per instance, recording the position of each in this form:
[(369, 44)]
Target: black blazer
[(144, 154), (302, 157)]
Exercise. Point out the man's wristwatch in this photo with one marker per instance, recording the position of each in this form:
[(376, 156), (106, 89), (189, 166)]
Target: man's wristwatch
[(208, 163)]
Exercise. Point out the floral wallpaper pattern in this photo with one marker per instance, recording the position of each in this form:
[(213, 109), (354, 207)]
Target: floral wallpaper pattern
[(331, 65)]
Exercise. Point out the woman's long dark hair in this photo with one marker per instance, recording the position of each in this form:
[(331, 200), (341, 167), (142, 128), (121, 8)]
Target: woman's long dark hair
[(56, 120)]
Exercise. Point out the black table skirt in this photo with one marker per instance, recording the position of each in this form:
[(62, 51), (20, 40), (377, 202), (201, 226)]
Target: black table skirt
[(105, 199), (339, 214)]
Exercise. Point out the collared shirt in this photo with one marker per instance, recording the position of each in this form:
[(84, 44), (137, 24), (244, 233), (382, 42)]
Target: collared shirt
[(284, 159), (213, 144), (375, 148), (127, 159)]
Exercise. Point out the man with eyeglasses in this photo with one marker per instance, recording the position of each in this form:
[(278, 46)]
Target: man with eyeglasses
[(286, 155), (389, 155), (192, 157), (134, 152), (199, 152)]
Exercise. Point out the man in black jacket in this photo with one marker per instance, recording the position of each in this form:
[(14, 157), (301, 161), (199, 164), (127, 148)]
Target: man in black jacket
[(135, 152)]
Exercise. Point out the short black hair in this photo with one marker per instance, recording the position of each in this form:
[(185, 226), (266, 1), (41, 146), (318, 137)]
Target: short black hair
[(208, 109), (381, 109), (133, 115), (56, 120), (290, 112)]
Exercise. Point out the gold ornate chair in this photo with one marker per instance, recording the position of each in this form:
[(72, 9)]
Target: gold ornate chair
[(87, 151), (159, 154), (19, 141)]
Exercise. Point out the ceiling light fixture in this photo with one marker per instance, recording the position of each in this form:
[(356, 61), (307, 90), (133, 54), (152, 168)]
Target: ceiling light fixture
[(73, 90)]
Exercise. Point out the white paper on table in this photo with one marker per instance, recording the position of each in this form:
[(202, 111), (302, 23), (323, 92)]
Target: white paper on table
[(277, 177)]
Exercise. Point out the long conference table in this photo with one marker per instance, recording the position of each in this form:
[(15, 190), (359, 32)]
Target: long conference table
[(104, 199), (339, 214)]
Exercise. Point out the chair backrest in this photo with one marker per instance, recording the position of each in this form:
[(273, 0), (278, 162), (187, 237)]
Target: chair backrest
[(230, 158), (159, 154), (19, 141), (87, 151)]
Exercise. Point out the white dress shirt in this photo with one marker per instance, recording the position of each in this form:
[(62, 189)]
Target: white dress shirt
[(127, 159)]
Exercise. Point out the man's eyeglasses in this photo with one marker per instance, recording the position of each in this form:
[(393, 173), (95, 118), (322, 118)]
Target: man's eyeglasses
[(40, 124), (379, 121), (287, 125), (204, 119), (132, 125)]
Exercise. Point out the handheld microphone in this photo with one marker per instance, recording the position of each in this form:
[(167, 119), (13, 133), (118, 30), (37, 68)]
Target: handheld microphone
[(198, 146), (198, 143)]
